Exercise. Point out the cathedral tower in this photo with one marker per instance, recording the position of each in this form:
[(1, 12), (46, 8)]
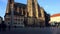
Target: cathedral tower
[(10, 11), (9, 5), (32, 8)]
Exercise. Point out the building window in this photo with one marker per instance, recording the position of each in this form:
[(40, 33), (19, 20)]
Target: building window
[(15, 23), (8, 22), (21, 19), (18, 23), (22, 23)]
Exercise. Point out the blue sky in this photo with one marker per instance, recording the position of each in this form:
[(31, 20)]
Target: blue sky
[(50, 6)]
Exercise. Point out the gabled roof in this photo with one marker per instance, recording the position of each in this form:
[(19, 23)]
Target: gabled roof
[(19, 4), (55, 15)]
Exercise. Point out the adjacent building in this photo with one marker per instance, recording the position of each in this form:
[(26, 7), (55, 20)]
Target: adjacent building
[(1, 19), (30, 14), (55, 19)]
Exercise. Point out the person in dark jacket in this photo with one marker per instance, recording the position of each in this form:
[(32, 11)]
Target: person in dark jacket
[(0, 27), (3, 25)]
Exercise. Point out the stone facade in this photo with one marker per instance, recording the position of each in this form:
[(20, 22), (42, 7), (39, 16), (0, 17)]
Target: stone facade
[(30, 14)]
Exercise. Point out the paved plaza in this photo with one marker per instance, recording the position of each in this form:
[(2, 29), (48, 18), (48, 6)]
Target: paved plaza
[(45, 30)]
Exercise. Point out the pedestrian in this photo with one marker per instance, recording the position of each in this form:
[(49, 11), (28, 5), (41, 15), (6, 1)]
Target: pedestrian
[(9, 27), (0, 27), (3, 25)]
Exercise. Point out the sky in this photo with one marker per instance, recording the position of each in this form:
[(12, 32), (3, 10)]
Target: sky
[(50, 6)]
